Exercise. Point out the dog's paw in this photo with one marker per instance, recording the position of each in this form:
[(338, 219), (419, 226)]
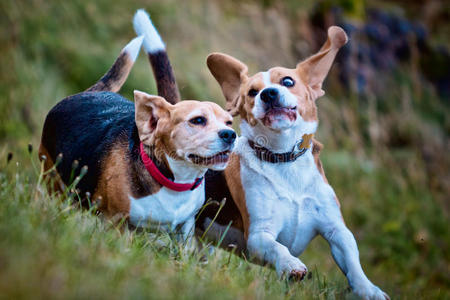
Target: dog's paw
[(297, 275), (371, 292), (293, 268)]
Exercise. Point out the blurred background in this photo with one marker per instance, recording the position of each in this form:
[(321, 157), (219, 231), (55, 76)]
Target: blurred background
[(384, 121)]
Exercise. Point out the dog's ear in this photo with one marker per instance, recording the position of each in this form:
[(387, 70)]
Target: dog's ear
[(230, 73), (314, 69), (149, 109)]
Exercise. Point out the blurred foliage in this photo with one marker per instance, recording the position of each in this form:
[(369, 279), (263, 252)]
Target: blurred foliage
[(386, 148)]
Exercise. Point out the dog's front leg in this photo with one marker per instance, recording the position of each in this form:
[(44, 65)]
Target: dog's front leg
[(263, 246), (187, 231), (345, 252)]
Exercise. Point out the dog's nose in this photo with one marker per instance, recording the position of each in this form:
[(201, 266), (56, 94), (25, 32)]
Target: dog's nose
[(270, 95), (227, 135)]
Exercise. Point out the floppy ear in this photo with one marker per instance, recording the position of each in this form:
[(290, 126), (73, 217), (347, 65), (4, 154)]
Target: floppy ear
[(149, 110), (314, 69), (229, 73)]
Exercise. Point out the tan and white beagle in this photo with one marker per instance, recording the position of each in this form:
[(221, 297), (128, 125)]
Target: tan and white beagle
[(281, 198)]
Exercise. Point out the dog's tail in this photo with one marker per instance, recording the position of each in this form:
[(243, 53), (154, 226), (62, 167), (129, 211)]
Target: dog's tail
[(156, 51), (116, 76)]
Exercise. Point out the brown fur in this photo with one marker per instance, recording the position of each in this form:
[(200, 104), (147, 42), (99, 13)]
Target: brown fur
[(306, 105), (317, 148), (122, 177), (114, 183), (234, 182)]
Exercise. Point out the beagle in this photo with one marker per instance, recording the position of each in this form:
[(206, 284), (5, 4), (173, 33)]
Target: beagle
[(281, 198), (145, 161)]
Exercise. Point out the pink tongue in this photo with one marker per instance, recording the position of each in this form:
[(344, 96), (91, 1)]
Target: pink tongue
[(270, 118), (274, 116)]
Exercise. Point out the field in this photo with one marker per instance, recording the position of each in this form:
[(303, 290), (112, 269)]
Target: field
[(386, 155)]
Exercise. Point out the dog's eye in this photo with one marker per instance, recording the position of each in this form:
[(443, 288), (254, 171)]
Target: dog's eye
[(287, 82), (229, 123), (198, 121), (253, 93)]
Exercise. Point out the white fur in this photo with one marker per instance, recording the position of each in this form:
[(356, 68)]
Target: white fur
[(278, 141), (133, 47), (170, 210), (185, 171), (290, 203), (266, 78), (287, 100), (144, 26)]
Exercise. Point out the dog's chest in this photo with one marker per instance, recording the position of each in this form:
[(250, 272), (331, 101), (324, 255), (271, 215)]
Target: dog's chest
[(166, 208), (287, 198)]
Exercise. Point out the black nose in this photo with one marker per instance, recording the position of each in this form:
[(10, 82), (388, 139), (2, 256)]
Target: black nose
[(270, 95), (227, 135)]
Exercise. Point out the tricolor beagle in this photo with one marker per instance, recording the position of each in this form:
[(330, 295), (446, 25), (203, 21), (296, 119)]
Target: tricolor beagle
[(281, 197), (146, 161)]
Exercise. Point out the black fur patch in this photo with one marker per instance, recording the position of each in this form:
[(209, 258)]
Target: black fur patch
[(165, 79), (83, 127), (111, 80), (216, 188)]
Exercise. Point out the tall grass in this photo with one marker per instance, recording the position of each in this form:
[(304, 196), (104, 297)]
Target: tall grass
[(50, 248)]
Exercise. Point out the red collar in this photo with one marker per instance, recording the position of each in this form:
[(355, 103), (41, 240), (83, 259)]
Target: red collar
[(163, 180)]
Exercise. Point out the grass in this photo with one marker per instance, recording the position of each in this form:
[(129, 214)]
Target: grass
[(49, 248), (385, 155)]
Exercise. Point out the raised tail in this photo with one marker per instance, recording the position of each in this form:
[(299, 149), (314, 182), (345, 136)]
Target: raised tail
[(116, 76), (156, 51)]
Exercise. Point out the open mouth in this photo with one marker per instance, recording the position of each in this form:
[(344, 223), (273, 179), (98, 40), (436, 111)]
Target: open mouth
[(221, 157), (280, 114)]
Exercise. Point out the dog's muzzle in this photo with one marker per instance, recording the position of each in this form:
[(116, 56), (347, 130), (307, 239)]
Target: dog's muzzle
[(270, 97), (274, 108)]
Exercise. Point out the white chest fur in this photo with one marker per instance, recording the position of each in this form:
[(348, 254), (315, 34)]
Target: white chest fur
[(289, 204), (166, 208), (286, 198)]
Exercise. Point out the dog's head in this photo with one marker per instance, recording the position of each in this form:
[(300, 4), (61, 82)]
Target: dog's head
[(197, 132), (280, 98)]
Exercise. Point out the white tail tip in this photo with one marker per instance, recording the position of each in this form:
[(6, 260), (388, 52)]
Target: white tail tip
[(143, 26), (133, 47)]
